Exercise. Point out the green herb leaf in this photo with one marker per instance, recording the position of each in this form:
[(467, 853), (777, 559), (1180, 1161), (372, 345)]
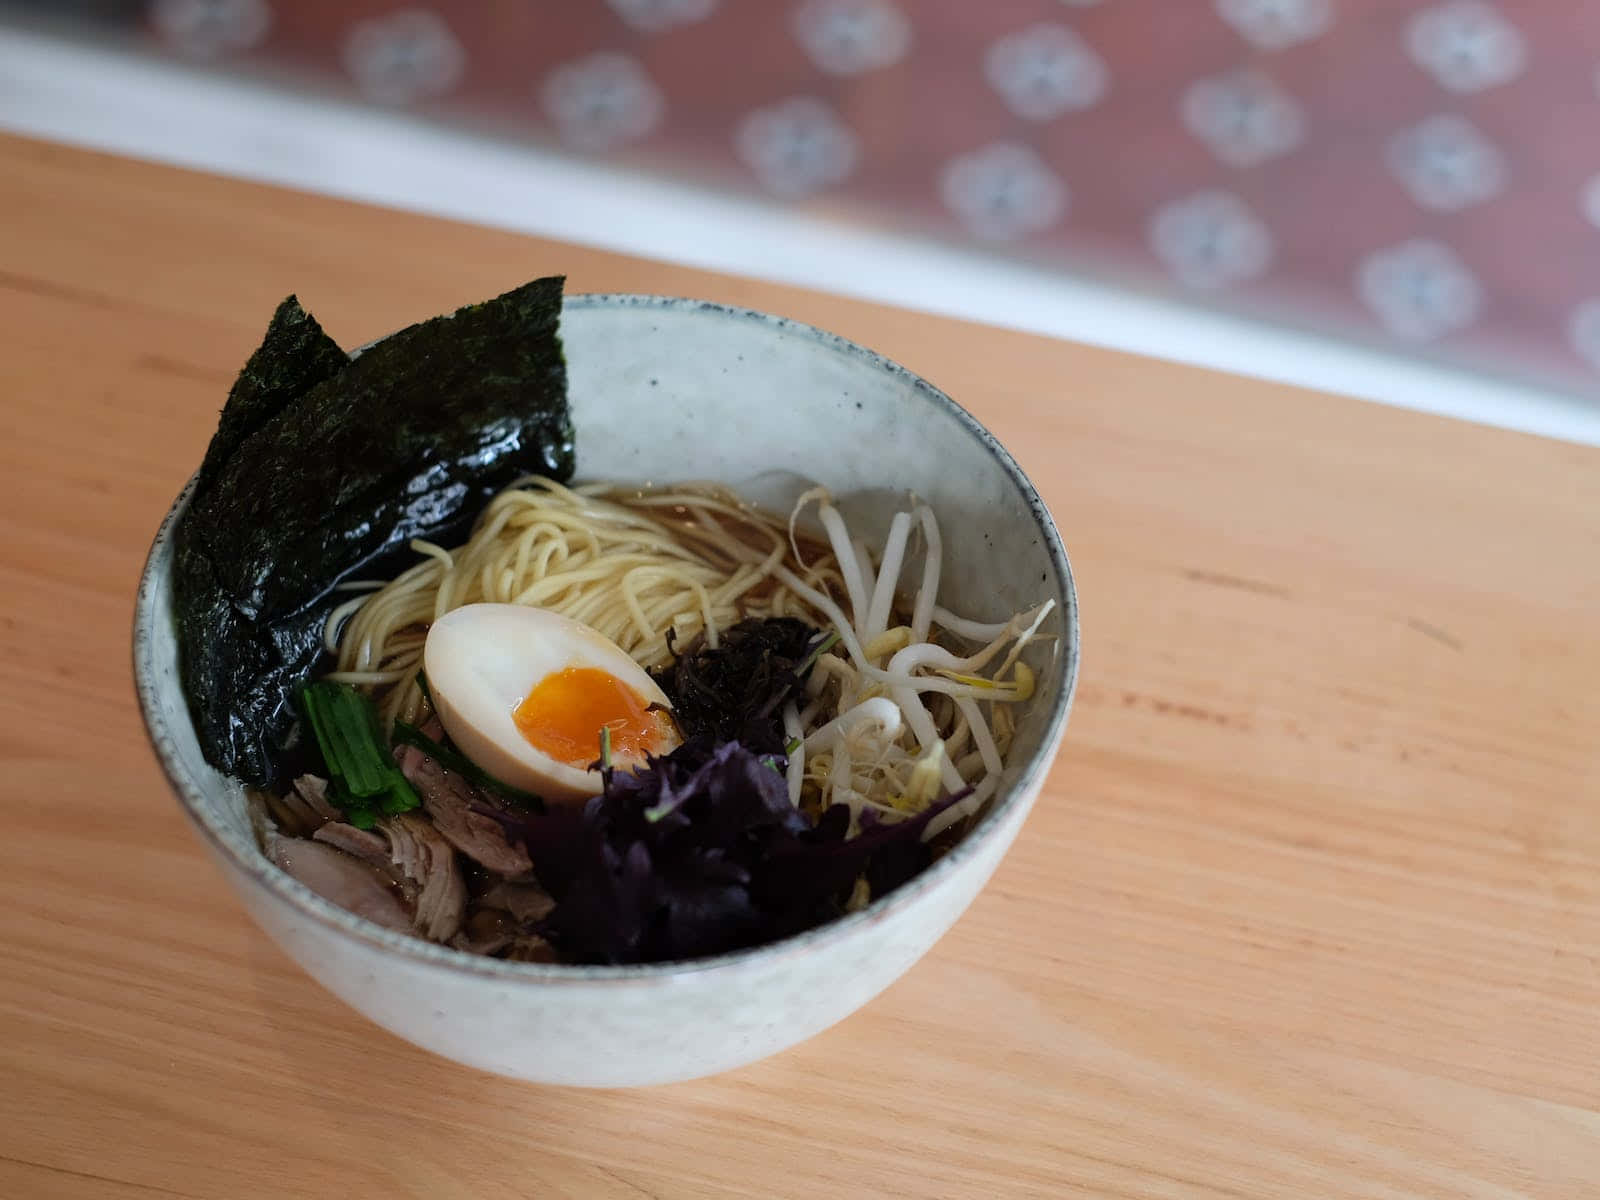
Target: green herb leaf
[(361, 818), (821, 648), (365, 780)]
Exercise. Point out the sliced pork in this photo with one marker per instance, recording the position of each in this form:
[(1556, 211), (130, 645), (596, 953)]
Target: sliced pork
[(304, 809), (524, 899), (450, 800), (417, 848), (371, 848), (348, 882), (486, 931), (410, 852)]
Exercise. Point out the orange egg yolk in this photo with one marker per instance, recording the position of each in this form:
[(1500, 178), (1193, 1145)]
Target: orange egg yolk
[(563, 714)]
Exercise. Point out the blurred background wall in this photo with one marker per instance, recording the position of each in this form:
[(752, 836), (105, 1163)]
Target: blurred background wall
[(1417, 177)]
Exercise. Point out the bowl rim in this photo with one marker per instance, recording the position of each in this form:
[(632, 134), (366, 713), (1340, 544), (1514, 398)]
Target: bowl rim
[(255, 867)]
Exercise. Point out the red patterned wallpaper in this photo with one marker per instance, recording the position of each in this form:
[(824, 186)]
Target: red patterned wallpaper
[(1424, 174)]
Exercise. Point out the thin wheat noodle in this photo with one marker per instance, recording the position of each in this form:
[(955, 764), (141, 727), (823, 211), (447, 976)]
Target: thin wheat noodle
[(595, 554)]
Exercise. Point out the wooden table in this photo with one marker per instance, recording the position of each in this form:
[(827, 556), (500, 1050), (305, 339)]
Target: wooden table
[(1310, 906)]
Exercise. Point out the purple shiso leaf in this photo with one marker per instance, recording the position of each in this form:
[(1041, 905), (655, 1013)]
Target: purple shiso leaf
[(701, 852)]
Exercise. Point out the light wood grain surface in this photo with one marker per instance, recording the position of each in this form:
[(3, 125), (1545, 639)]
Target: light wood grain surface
[(1310, 906)]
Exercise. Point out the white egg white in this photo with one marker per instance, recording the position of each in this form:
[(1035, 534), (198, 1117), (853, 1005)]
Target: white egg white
[(482, 660)]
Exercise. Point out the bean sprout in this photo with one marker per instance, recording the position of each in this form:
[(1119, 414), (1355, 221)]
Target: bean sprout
[(880, 745)]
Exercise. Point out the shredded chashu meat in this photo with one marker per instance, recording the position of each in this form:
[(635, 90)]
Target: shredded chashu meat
[(523, 898), (417, 849), (405, 873), (486, 931), (365, 844), (421, 863), (352, 884), (452, 803), (304, 809)]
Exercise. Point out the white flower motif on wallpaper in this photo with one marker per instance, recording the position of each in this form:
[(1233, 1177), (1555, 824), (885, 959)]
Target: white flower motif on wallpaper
[(602, 101), (1589, 201), (1045, 71), (847, 37), (404, 56), (1419, 289), (1243, 117), (1446, 164), (206, 28), (656, 16), (1210, 239), (1277, 24), (1003, 191), (1466, 45), (796, 147), (1583, 331)]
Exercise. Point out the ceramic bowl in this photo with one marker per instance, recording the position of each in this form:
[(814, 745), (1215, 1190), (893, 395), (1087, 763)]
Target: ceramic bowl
[(668, 390)]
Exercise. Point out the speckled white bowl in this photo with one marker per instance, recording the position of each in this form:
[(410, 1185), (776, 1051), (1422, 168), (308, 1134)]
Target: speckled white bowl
[(663, 390)]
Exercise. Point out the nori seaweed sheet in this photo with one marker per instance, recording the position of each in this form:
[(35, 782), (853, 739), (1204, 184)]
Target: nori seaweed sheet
[(294, 357), (407, 440)]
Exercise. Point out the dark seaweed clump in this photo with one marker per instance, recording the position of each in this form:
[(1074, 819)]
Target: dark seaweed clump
[(324, 464), (737, 691)]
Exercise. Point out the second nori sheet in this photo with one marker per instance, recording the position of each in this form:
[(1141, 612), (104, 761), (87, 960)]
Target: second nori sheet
[(294, 357)]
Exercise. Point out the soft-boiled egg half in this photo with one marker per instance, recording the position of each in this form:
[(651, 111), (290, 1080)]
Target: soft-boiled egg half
[(524, 694)]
